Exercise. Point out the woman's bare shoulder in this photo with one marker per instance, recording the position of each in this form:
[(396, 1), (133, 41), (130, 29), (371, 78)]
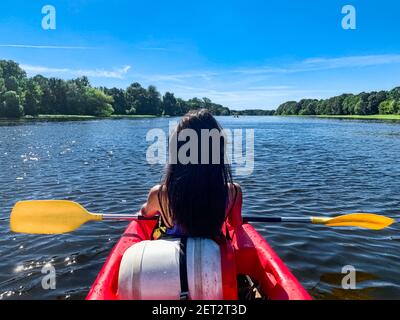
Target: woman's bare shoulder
[(234, 186), (234, 191), (156, 188)]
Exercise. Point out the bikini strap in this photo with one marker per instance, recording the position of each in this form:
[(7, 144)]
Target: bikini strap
[(234, 201), (162, 213), (227, 235)]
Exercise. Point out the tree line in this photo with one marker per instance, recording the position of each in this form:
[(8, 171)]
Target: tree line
[(365, 103), (23, 96), (253, 112)]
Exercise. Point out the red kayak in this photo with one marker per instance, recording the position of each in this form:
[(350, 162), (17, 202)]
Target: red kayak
[(246, 254)]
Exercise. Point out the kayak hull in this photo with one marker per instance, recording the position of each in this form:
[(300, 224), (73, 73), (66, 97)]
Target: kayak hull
[(252, 254)]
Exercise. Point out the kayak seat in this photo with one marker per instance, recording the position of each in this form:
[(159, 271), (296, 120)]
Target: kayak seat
[(151, 270)]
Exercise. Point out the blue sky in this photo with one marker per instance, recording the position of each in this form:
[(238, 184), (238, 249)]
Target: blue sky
[(243, 54)]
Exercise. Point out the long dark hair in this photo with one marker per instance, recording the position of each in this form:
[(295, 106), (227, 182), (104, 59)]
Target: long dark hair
[(195, 195)]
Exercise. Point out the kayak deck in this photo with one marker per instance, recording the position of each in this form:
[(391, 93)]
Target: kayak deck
[(252, 254)]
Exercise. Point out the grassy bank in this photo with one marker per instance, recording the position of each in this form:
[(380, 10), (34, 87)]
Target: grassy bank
[(60, 117), (67, 117), (132, 116), (83, 117), (387, 117)]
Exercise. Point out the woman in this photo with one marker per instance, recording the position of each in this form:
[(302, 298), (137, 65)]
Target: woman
[(194, 199)]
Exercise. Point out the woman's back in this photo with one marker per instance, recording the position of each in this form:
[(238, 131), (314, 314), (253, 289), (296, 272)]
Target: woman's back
[(197, 191)]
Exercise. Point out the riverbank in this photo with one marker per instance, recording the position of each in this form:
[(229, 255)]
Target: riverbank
[(385, 117), (83, 117), (67, 117), (63, 117)]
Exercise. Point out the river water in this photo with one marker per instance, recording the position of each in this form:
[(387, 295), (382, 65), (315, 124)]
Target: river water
[(303, 166)]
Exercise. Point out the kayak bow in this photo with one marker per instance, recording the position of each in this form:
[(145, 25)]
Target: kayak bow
[(253, 257)]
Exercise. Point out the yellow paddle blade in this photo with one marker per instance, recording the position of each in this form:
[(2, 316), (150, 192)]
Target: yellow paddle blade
[(361, 220), (49, 216)]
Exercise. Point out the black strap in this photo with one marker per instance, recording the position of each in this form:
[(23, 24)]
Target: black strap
[(183, 270)]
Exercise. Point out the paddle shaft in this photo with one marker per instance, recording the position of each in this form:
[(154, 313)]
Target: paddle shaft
[(125, 217), (62, 216), (312, 220), (278, 219), (246, 219)]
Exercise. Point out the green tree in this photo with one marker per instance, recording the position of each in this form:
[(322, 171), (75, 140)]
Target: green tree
[(336, 104), (136, 99), (287, 108), (394, 94), (75, 99), (33, 97), (220, 110), (325, 106), (11, 106), (183, 106), (308, 107), (2, 89), (14, 77), (195, 103), (374, 100), (75, 93), (397, 107), (361, 108), (11, 69), (119, 105), (215, 108), (252, 112), (387, 107), (59, 90), (97, 103), (47, 100), (349, 103), (170, 105), (82, 82), (207, 103), (132, 108), (11, 84), (153, 103)]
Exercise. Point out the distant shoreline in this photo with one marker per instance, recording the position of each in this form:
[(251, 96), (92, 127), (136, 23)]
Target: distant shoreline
[(385, 117), (376, 117), (64, 117)]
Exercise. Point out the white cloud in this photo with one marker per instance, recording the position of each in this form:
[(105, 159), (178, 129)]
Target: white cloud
[(266, 97), (31, 46), (353, 61), (177, 77), (267, 86), (307, 65), (154, 48), (96, 73), (319, 64)]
